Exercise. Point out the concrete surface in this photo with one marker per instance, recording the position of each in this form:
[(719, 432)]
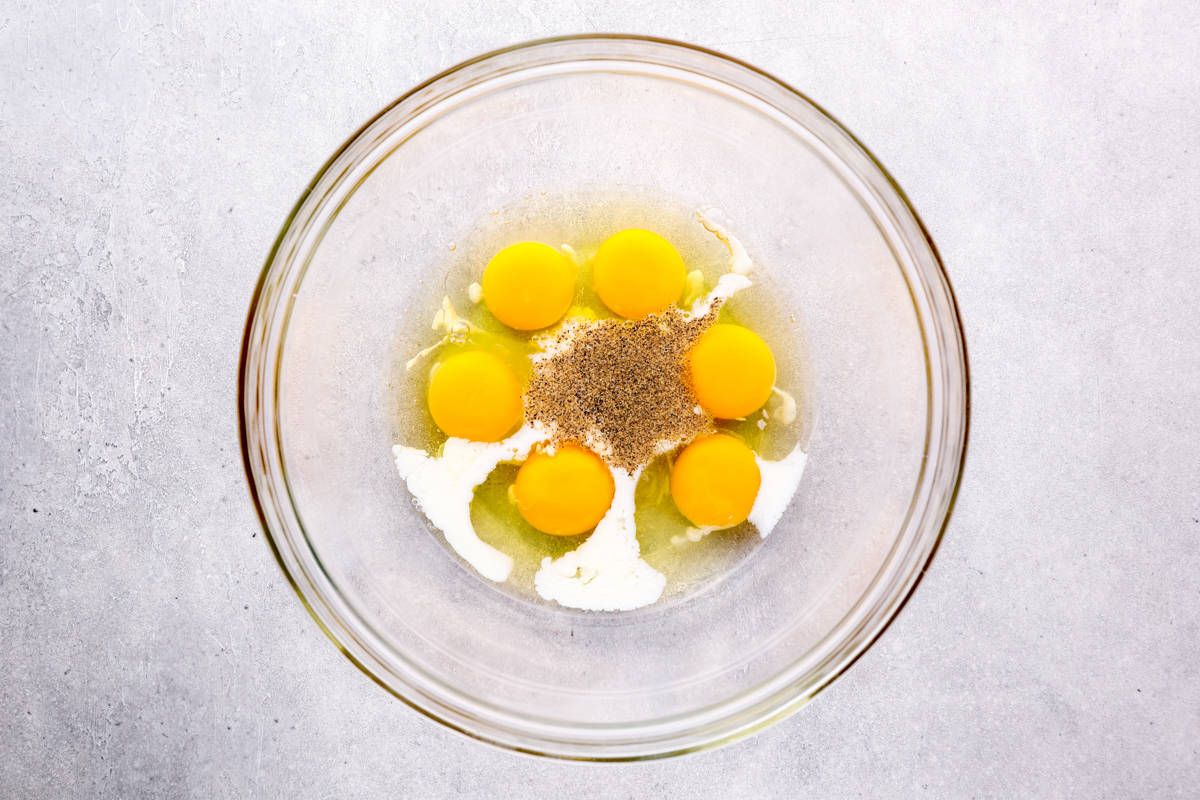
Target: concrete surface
[(149, 646)]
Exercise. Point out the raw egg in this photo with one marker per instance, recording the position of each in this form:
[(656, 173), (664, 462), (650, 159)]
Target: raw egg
[(529, 285), (475, 395), (636, 272), (564, 493), (715, 480), (732, 371)]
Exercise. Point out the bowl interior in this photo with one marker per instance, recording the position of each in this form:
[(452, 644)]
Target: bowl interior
[(498, 148)]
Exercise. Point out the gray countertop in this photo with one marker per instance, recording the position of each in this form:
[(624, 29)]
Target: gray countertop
[(149, 644)]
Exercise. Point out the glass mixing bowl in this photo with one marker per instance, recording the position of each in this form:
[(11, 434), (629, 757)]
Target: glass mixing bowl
[(354, 269)]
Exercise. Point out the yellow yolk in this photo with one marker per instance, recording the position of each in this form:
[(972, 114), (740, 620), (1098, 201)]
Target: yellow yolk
[(732, 371), (565, 493), (529, 285), (637, 272), (475, 395), (715, 480)]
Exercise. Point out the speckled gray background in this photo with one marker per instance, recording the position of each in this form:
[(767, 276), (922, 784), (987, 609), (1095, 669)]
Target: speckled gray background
[(149, 646)]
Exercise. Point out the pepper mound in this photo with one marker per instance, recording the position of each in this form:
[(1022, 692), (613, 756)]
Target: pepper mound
[(620, 387)]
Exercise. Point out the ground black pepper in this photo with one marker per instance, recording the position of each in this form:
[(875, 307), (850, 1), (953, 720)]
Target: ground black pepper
[(620, 385)]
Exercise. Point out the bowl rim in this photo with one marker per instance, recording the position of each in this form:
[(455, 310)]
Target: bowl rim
[(789, 696)]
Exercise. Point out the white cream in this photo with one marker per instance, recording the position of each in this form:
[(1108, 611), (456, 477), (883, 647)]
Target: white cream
[(444, 486), (727, 286), (785, 409), (605, 573), (739, 259), (780, 480), (731, 282), (447, 319)]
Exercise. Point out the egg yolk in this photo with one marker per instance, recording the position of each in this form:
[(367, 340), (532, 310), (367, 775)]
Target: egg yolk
[(475, 395), (715, 480), (529, 285), (636, 272), (732, 371), (563, 493)]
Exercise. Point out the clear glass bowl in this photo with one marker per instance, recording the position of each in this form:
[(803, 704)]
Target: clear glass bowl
[(883, 359)]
